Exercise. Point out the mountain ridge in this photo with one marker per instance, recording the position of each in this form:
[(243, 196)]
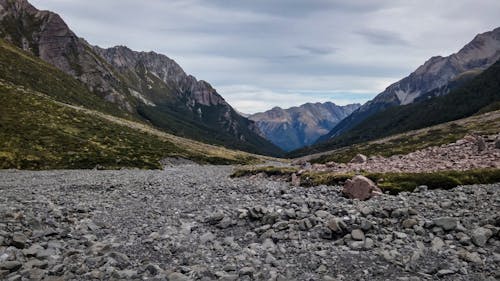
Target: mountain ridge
[(132, 86), (300, 126), (477, 55)]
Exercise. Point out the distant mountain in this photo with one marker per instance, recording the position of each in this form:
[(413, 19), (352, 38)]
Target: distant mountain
[(471, 96), (148, 86), (434, 75), (297, 127)]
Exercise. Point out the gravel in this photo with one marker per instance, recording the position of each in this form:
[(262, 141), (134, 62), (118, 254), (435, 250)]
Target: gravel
[(193, 222)]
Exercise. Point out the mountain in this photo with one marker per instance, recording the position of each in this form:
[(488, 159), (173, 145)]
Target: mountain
[(436, 73), (300, 126), (49, 120), (471, 96), (147, 86)]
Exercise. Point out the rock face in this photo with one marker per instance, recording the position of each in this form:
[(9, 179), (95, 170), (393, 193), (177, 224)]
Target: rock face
[(360, 187), (150, 225), (434, 75), (300, 126), (148, 85)]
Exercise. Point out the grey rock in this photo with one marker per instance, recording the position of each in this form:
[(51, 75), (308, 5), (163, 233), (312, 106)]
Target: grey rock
[(19, 240), (177, 276), (437, 244), (207, 237), (446, 223), (357, 234), (10, 265), (480, 236)]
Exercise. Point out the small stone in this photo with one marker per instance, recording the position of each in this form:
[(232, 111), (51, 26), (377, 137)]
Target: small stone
[(444, 272), (409, 223), (295, 180), (446, 223), (437, 244), (481, 144), (337, 225), (357, 234), (470, 257), (249, 271), (215, 217), (497, 143), (33, 250), (421, 188), (207, 237), (480, 236), (400, 235), (176, 276), (10, 265), (18, 240)]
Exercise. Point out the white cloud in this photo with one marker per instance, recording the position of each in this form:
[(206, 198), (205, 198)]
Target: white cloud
[(289, 51)]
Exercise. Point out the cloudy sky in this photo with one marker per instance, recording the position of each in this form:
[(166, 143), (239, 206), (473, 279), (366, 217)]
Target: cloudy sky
[(264, 53)]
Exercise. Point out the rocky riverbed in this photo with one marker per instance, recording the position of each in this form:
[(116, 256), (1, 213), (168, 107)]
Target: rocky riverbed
[(471, 152), (193, 222)]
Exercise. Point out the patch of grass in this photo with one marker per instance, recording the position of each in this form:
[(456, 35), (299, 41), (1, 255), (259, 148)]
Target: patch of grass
[(39, 133), (398, 182), (267, 170), (390, 182)]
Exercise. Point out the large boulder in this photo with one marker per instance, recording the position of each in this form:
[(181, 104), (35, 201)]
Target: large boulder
[(359, 159), (360, 187)]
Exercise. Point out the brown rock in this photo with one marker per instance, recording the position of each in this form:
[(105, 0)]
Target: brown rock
[(360, 158), (360, 187), (295, 180), (497, 143), (481, 144)]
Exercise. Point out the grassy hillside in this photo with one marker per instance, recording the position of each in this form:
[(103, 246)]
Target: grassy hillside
[(486, 123), (39, 133), (477, 95)]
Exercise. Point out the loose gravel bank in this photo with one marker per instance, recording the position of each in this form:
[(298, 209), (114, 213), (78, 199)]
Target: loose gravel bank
[(195, 223)]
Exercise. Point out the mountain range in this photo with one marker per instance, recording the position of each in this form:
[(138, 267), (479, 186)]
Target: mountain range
[(143, 85), (45, 68), (300, 126)]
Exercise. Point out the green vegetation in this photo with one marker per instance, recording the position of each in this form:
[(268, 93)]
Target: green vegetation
[(398, 182), (390, 182), (38, 133), (480, 94), (485, 124), (267, 170)]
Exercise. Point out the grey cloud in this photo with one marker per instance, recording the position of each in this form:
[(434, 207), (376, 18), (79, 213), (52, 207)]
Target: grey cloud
[(285, 45), (316, 50), (382, 37)]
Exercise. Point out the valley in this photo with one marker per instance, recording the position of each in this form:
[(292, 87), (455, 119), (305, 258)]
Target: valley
[(117, 164)]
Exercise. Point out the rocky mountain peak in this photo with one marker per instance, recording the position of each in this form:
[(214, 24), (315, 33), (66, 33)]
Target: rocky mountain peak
[(299, 126), (134, 81)]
